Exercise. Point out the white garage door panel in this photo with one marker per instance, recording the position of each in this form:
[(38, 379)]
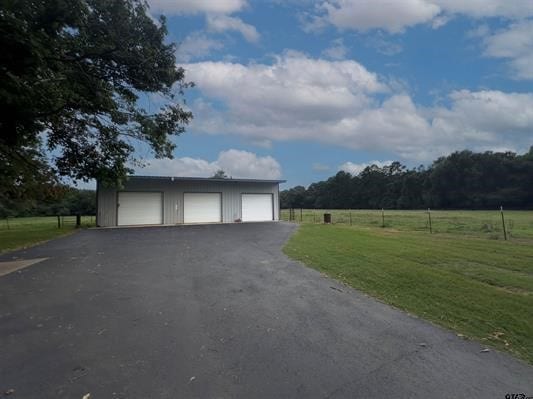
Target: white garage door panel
[(140, 208), (202, 208), (256, 207)]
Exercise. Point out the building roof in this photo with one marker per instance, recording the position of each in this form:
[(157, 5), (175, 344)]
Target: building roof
[(208, 179)]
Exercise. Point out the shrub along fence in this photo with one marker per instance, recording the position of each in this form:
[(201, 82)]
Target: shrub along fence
[(497, 224)]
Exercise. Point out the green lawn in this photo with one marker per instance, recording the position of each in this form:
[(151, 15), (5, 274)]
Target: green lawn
[(478, 287), (488, 224), (23, 232)]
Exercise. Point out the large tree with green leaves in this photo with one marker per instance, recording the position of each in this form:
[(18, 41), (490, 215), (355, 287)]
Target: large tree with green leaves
[(25, 179), (74, 75)]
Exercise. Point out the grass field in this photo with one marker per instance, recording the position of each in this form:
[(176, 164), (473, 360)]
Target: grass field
[(478, 287), (23, 232), (488, 224)]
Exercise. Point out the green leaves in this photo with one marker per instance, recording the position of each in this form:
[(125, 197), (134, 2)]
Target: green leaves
[(461, 180), (73, 73)]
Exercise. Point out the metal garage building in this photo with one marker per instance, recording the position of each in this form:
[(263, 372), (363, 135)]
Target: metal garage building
[(149, 200)]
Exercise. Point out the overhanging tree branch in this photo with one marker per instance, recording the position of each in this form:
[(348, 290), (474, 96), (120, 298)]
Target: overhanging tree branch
[(76, 68)]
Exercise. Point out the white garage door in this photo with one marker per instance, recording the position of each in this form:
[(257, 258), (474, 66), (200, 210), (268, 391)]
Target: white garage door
[(202, 208), (257, 207), (140, 208)]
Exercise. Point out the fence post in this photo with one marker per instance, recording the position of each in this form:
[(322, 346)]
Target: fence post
[(58, 221), (78, 220), (350, 217), (382, 217), (301, 215), (503, 224), (429, 216)]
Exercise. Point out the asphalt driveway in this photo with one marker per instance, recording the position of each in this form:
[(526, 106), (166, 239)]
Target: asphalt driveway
[(219, 312)]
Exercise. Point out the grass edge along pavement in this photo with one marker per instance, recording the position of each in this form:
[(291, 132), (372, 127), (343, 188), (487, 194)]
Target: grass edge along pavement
[(480, 288), (20, 233)]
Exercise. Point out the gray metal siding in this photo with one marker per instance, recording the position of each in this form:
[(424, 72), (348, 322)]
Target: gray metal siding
[(173, 197)]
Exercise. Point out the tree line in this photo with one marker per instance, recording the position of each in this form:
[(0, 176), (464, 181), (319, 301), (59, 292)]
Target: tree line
[(461, 180), (54, 200)]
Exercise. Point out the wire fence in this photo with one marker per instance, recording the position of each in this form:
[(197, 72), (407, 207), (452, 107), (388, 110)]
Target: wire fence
[(46, 222), (497, 224)]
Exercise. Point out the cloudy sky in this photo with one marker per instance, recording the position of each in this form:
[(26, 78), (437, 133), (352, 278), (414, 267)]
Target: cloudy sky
[(299, 89)]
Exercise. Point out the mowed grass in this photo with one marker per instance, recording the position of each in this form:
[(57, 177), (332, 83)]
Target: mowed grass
[(488, 224), (18, 233), (478, 287)]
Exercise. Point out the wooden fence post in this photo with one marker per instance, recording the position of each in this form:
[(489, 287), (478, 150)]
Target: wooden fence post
[(429, 216), (503, 224), (382, 217), (58, 221)]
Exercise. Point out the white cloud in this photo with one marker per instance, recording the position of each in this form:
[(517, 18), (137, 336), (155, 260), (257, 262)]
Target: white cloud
[(217, 14), (337, 50), (222, 23), (514, 43), (344, 104), (487, 116), (392, 16), (294, 88), (396, 16), (511, 42), (236, 163), (512, 9), (356, 168), (247, 164), (440, 20), (196, 6), (196, 45)]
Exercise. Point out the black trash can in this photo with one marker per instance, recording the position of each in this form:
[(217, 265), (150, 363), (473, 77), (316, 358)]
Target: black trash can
[(327, 218)]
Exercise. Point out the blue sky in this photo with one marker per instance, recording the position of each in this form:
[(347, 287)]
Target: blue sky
[(301, 89)]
